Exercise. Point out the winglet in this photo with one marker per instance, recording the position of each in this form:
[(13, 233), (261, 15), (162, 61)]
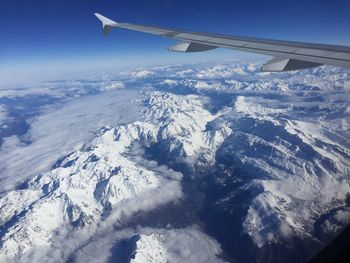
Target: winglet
[(106, 23)]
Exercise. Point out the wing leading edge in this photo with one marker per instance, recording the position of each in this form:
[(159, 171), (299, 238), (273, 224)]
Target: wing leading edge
[(288, 55)]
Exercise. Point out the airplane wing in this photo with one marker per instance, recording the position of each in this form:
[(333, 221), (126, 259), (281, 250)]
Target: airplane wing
[(288, 55)]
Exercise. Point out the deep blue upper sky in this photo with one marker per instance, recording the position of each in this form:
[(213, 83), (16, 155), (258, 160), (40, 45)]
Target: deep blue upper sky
[(49, 35)]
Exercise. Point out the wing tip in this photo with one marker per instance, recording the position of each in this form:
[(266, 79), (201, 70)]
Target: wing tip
[(105, 21)]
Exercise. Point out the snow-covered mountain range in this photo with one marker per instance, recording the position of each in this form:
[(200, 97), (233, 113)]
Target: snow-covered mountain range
[(267, 154)]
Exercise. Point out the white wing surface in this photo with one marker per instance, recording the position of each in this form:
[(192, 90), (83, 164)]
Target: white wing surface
[(288, 55)]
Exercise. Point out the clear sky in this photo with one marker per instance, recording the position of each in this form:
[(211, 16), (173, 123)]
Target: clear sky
[(42, 37)]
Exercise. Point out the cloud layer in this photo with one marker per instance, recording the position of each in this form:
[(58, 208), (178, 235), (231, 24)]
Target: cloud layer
[(62, 129)]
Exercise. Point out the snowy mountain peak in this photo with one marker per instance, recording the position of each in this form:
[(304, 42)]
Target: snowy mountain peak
[(84, 187), (149, 249)]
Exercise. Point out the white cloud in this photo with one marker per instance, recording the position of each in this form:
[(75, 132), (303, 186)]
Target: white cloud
[(29, 90)]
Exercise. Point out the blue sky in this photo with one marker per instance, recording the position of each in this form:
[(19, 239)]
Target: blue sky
[(44, 37)]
